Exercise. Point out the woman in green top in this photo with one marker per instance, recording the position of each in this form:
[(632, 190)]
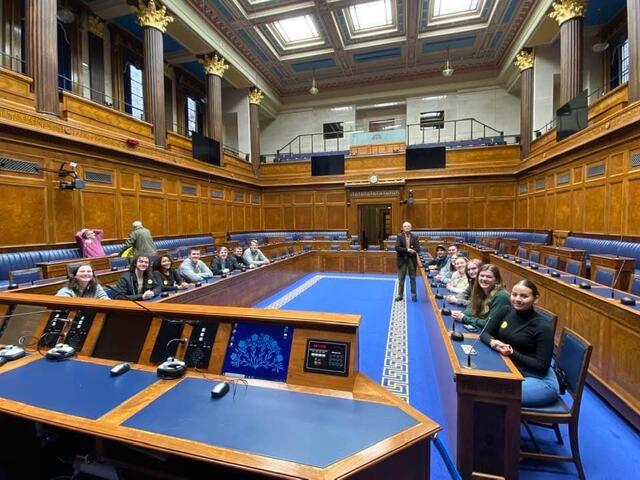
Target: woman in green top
[(487, 297)]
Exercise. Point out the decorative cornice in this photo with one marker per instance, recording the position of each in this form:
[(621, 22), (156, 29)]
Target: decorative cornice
[(255, 95), (95, 26), (524, 60), (214, 64), (151, 16), (564, 10)]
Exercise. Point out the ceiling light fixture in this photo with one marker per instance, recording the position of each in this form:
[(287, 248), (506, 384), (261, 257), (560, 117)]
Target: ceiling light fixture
[(600, 47), (448, 70), (65, 14), (314, 87)]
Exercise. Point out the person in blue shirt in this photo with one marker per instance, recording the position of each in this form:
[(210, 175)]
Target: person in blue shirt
[(193, 269)]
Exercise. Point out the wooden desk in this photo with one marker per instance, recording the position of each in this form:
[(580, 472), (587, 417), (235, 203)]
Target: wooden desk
[(624, 267), (530, 246), (481, 407), (563, 254), (510, 245), (612, 328), (320, 244), (478, 252)]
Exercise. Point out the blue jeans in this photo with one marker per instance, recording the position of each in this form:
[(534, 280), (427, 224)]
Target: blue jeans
[(540, 391)]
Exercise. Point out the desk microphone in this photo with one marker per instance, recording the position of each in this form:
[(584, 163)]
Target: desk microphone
[(456, 335), (469, 364)]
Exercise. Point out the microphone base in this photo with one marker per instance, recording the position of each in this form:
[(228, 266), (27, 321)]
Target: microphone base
[(457, 336), (472, 366), (60, 352)]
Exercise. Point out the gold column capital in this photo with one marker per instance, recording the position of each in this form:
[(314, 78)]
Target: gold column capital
[(150, 15), (214, 64), (95, 26), (524, 60), (255, 95), (564, 10)]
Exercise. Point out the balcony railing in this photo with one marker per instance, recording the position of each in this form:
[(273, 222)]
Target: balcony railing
[(452, 132)]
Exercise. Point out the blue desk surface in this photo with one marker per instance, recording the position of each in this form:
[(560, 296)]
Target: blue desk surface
[(72, 387), (486, 359), (308, 429)]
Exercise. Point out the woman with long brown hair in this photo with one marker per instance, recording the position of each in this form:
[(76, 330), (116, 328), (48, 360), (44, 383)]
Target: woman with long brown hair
[(83, 283), (487, 297)]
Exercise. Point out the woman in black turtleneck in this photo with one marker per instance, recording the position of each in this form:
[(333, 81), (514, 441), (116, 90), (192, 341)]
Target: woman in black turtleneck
[(518, 332)]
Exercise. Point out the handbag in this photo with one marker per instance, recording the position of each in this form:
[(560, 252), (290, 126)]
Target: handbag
[(127, 252)]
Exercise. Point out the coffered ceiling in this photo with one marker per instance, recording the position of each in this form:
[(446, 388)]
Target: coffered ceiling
[(351, 43)]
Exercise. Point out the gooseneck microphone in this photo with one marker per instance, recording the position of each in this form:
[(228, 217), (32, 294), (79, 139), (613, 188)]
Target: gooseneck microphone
[(456, 335), (469, 364)]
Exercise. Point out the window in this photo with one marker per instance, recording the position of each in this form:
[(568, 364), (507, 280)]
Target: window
[(191, 112), (382, 125), (452, 7), (365, 16), (134, 93), (297, 29), (624, 62)]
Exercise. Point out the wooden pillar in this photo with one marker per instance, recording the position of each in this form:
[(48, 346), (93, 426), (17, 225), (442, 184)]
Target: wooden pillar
[(154, 21), (524, 61), (42, 54), (255, 97), (214, 67), (569, 15), (633, 31)]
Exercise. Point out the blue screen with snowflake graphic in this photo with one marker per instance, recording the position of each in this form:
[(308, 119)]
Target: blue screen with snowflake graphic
[(259, 351)]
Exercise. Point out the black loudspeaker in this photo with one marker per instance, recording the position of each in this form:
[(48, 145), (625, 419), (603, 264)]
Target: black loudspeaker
[(426, 158), (327, 165)]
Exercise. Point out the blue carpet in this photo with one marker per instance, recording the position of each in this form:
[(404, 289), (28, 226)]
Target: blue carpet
[(610, 447)]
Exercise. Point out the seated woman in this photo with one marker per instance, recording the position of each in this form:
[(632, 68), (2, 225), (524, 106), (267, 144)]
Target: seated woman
[(83, 283), (446, 272), (518, 332), (167, 276), (487, 297), (138, 283), (459, 281), (471, 271)]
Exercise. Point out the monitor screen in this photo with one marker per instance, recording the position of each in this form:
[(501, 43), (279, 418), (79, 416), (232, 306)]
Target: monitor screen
[(572, 116), (426, 157), (332, 130), (205, 149), (327, 165), (258, 350)]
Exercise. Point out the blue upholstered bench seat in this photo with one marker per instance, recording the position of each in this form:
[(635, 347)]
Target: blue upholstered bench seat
[(474, 236), (606, 246), (21, 260), (289, 235)]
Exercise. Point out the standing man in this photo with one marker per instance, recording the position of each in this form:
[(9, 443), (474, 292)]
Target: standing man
[(141, 241), (407, 248)]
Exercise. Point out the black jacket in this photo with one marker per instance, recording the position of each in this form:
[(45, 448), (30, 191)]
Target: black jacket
[(403, 255), (217, 266), (170, 281), (128, 285), (238, 261)]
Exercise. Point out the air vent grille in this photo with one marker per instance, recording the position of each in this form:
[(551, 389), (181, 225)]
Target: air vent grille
[(595, 170), (189, 189), (149, 184), (523, 188), (238, 197), (98, 177), (540, 184), (635, 160), (20, 166), (217, 194), (255, 199)]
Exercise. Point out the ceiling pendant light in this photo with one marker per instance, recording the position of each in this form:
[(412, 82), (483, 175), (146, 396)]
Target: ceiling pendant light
[(314, 87), (447, 71)]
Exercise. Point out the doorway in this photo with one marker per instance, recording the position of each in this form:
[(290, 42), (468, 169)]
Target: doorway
[(374, 223)]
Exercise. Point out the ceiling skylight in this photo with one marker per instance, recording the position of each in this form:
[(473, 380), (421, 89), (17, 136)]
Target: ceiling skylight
[(365, 16), (453, 7), (297, 30)]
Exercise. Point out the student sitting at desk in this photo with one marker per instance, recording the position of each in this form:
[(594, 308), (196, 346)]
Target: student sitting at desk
[(439, 260), (518, 332), (138, 283), (459, 281), (166, 275), (446, 272), (83, 283), (237, 260), (193, 269), (221, 265), (471, 272), (253, 256), (487, 297)]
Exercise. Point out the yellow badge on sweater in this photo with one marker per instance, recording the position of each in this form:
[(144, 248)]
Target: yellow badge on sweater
[(504, 324)]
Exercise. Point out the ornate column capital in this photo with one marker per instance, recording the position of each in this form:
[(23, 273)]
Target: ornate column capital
[(214, 64), (564, 10), (95, 26), (150, 15), (524, 60), (255, 95)]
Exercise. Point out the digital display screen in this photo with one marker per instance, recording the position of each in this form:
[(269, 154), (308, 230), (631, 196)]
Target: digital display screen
[(258, 351), (328, 357)]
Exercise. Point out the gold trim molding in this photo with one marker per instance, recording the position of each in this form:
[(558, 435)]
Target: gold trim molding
[(95, 25), (564, 10), (214, 64), (255, 95), (524, 60), (150, 15)]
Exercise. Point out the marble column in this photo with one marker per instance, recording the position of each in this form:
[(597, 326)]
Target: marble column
[(214, 67), (154, 20), (42, 53), (255, 97), (524, 62), (569, 15), (633, 32)]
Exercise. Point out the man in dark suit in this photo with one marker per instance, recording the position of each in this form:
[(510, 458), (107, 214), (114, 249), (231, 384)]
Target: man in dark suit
[(407, 248)]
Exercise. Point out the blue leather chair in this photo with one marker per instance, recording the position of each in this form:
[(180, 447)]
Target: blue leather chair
[(374, 248), (552, 261), (549, 316), (521, 252), (307, 248), (119, 262), (212, 249), (573, 358), (574, 267), (283, 253), (354, 247), (635, 285), (27, 275), (605, 276), (391, 248), (274, 255), (534, 256), (335, 248), (501, 248)]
